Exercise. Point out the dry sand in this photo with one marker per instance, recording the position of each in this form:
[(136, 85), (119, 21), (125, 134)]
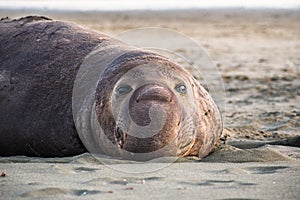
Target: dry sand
[(257, 53)]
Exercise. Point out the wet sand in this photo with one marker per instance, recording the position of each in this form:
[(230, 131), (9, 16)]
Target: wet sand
[(257, 53)]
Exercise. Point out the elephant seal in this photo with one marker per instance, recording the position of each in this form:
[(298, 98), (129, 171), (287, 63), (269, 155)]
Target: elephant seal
[(142, 102)]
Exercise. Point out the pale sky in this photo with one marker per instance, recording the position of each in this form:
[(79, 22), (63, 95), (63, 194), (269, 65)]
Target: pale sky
[(144, 4)]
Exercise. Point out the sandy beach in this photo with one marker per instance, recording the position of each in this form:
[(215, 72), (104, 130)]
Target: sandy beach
[(257, 55)]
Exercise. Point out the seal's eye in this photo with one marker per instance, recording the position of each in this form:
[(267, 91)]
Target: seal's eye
[(181, 88), (123, 89)]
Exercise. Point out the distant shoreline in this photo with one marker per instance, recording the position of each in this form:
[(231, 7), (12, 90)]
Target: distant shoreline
[(145, 5), (150, 10)]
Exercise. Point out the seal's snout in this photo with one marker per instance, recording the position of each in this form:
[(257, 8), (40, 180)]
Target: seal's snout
[(153, 92), (144, 98)]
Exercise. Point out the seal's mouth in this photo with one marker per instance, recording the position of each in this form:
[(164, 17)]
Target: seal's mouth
[(186, 135)]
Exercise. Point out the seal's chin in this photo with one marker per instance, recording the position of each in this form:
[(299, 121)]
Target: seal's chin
[(154, 109)]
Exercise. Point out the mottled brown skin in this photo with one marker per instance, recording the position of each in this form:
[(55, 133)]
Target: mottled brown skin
[(39, 60)]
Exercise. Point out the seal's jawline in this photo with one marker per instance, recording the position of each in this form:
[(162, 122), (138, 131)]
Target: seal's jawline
[(183, 150)]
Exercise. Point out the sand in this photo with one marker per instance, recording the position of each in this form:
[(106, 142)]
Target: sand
[(201, 180), (257, 54)]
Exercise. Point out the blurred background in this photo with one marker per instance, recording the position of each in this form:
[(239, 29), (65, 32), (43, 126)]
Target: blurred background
[(109, 5)]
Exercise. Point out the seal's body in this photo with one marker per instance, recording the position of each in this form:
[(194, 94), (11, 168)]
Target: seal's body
[(39, 62)]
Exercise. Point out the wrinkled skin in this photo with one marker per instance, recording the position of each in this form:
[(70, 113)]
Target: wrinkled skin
[(39, 60), (192, 121)]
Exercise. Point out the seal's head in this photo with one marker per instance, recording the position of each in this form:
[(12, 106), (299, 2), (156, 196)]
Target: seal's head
[(148, 105)]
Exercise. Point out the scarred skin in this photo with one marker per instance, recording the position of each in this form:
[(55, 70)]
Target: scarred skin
[(39, 61)]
